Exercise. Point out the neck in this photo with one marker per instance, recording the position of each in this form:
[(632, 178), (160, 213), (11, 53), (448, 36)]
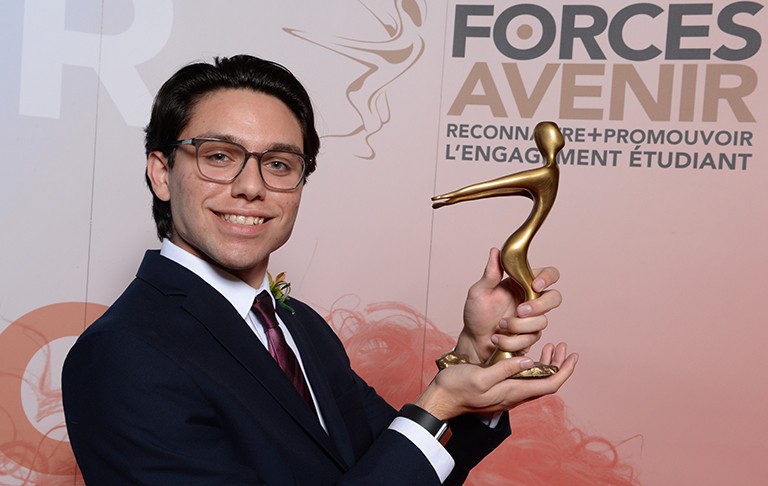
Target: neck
[(252, 276)]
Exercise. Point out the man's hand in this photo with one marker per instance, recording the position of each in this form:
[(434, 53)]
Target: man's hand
[(492, 317), (468, 388)]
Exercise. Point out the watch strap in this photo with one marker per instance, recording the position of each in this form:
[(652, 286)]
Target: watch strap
[(429, 422)]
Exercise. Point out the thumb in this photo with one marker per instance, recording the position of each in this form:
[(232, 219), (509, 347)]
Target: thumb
[(493, 273), (509, 367)]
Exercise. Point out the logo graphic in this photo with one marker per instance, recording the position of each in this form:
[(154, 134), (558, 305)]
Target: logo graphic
[(384, 60), (626, 83)]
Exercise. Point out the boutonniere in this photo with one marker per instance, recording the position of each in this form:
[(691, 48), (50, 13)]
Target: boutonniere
[(280, 290)]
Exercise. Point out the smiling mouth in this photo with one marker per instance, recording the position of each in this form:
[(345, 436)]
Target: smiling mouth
[(239, 219)]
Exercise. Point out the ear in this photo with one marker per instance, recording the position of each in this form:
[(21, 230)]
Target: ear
[(157, 172)]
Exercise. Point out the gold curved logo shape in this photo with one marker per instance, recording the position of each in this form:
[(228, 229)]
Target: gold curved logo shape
[(384, 61)]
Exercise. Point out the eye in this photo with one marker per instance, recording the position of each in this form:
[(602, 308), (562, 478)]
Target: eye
[(219, 153), (276, 165), (218, 158), (281, 163)]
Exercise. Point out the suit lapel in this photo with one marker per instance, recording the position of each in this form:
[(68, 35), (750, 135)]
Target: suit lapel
[(218, 316), (313, 366)]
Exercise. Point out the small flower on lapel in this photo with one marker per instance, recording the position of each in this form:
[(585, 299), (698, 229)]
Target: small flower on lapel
[(280, 290)]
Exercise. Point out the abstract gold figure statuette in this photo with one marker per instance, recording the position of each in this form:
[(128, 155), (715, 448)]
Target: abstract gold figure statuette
[(539, 185)]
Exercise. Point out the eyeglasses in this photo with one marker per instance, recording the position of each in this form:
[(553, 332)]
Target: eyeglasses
[(222, 161)]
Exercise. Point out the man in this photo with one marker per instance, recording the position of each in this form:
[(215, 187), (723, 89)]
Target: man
[(187, 379)]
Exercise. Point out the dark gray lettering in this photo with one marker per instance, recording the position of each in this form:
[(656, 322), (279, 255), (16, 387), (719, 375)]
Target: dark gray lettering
[(569, 32), (549, 29), (752, 38), (462, 30), (616, 32), (676, 31)]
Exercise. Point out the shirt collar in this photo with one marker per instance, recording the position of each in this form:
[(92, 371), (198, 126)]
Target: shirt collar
[(238, 293)]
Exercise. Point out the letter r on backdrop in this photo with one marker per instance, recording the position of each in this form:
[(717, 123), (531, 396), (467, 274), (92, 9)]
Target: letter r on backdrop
[(48, 46)]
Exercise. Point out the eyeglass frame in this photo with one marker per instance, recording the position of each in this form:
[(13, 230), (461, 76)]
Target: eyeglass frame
[(195, 141)]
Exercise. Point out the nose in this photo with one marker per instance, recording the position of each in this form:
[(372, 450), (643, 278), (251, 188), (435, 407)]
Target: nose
[(249, 183)]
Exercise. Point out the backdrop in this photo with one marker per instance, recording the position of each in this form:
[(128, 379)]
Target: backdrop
[(659, 228)]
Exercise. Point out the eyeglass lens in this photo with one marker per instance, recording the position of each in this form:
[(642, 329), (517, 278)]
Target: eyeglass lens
[(222, 161)]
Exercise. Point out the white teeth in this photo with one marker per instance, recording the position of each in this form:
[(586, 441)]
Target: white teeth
[(244, 220)]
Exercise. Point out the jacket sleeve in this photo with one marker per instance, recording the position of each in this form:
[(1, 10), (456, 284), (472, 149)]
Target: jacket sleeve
[(472, 440)]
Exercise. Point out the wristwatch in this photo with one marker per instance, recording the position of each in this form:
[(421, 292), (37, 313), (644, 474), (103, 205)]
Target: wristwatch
[(432, 424)]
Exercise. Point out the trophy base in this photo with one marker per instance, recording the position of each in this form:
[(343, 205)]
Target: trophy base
[(539, 370)]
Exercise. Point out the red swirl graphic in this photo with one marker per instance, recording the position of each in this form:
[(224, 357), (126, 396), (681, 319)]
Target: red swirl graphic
[(394, 347), (29, 454)]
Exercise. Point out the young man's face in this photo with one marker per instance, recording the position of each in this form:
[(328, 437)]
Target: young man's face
[(203, 211)]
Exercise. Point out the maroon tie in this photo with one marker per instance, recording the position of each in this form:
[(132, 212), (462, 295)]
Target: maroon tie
[(278, 347)]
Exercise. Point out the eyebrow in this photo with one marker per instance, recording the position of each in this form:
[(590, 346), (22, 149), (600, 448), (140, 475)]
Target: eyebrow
[(282, 146)]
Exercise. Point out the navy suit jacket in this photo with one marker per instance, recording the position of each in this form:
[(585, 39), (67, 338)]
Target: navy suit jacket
[(171, 387)]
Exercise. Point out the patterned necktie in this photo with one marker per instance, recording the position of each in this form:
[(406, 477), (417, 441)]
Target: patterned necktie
[(278, 347)]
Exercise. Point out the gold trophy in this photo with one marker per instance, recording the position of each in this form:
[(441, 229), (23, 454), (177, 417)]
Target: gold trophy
[(540, 186)]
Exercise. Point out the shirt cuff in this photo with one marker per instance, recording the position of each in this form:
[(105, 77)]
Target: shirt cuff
[(438, 457)]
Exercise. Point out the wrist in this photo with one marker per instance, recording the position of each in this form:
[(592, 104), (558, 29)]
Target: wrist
[(429, 422), (436, 402), (472, 348)]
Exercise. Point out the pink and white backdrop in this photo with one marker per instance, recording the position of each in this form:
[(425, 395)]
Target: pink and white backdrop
[(659, 229)]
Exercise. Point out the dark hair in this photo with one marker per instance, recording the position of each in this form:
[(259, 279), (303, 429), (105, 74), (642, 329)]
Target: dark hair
[(177, 98)]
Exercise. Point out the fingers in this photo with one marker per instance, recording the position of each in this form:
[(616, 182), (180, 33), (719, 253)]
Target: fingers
[(567, 365), (554, 355), (515, 342), (551, 299), (517, 325), (544, 277), (518, 391), (519, 334), (468, 388), (547, 386), (546, 354), (558, 356)]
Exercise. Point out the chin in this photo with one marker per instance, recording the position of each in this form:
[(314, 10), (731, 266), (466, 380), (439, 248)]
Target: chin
[(240, 262)]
